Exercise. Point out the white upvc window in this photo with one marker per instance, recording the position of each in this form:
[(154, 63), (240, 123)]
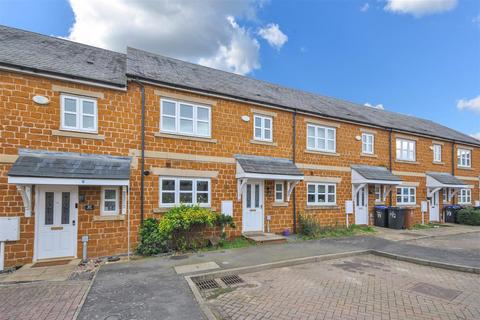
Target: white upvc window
[(279, 192), (406, 195), (175, 191), (368, 141), (320, 138), (446, 194), (464, 157), (321, 194), (262, 128), (406, 150), (185, 118), (78, 113), (437, 153), (110, 201), (378, 193), (465, 196)]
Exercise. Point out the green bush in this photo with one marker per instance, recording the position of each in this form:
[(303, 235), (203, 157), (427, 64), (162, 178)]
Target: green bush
[(309, 228), (181, 228), (469, 216)]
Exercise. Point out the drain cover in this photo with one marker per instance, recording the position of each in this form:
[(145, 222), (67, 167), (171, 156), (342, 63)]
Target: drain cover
[(232, 280), (207, 284), (435, 291)]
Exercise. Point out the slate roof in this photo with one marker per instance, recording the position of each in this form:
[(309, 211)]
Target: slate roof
[(445, 178), (55, 56), (267, 165), (375, 173), (179, 73), (46, 164)]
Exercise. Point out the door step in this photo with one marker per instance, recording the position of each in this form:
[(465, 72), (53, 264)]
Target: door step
[(264, 238)]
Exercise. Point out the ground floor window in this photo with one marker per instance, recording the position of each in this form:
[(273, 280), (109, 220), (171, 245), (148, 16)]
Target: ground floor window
[(406, 195), (279, 191), (321, 194), (174, 191), (110, 200), (465, 196), (378, 193)]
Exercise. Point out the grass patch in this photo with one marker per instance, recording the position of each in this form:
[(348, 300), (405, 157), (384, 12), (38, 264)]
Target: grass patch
[(310, 229), (420, 226), (234, 243)]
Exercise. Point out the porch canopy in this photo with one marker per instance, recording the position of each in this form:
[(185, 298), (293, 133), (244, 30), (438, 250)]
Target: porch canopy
[(266, 168), (439, 180), (363, 175)]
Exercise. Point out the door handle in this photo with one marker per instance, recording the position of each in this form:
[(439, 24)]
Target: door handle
[(73, 223)]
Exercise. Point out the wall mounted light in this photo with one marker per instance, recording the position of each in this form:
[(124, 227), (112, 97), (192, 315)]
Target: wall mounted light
[(358, 138), (245, 118), (41, 100)]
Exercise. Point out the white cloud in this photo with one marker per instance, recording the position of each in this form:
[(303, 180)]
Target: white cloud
[(476, 20), (476, 135), (365, 7), (378, 106), (469, 104), (420, 8), (198, 31), (274, 36)]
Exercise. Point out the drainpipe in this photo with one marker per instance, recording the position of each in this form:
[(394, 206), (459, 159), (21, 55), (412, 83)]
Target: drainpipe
[(142, 162), (390, 161), (294, 144), (453, 165)]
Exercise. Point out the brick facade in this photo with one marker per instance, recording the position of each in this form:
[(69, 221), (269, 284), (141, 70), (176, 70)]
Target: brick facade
[(25, 124)]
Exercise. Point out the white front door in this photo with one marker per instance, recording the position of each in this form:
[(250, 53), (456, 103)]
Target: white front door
[(253, 206), (435, 207), (361, 206), (56, 221)]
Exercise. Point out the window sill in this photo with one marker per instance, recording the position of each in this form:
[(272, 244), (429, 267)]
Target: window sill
[(406, 161), (279, 204), (322, 152), (165, 209), (182, 137), (265, 143), (408, 206), (438, 163), (75, 134), (368, 155), (325, 207), (119, 217), (464, 168)]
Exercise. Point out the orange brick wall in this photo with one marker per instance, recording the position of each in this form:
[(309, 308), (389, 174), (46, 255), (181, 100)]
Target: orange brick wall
[(25, 124)]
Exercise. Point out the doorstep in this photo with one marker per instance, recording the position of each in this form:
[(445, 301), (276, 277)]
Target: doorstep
[(264, 238), (29, 273)]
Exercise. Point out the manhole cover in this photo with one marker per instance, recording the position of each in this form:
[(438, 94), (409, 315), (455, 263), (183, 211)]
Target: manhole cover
[(435, 291), (207, 284), (232, 280)]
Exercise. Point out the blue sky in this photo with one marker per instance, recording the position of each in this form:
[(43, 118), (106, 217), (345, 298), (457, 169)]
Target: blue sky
[(417, 59)]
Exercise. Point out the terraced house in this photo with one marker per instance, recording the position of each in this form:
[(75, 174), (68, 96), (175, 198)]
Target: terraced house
[(79, 126)]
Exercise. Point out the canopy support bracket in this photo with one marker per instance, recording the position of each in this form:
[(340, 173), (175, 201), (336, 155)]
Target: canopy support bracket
[(26, 193)]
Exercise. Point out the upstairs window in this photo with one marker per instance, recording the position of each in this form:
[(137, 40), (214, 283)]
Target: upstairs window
[(185, 118), (175, 191), (406, 195), (405, 150), (321, 138), (465, 196), (262, 128), (78, 113), (437, 153), (367, 143), (464, 158)]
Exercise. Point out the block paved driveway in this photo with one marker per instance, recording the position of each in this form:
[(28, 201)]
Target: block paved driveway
[(41, 300), (359, 287)]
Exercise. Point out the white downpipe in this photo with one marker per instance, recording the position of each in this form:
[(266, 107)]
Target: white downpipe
[(128, 223), (2, 255)]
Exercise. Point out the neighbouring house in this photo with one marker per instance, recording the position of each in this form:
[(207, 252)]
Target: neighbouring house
[(93, 141)]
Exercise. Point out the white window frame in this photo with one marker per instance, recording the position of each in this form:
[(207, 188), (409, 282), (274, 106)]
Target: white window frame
[(177, 191), (464, 158), (378, 193), (262, 127), (446, 195), (437, 153), (366, 143), (410, 150), (465, 196), (195, 119), (316, 138), (408, 194), (282, 192), (78, 113), (326, 193), (104, 212)]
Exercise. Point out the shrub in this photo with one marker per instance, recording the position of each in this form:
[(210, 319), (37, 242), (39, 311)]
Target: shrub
[(309, 228), (151, 240), (469, 216)]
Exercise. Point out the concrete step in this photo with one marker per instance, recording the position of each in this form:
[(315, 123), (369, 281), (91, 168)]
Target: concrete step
[(264, 238)]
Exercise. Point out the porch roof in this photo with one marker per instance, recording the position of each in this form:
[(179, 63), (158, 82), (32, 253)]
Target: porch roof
[(46, 167), (267, 168), (373, 174), (444, 179)]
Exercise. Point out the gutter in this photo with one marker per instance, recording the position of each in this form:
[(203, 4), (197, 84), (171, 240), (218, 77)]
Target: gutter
[(284, 108)]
